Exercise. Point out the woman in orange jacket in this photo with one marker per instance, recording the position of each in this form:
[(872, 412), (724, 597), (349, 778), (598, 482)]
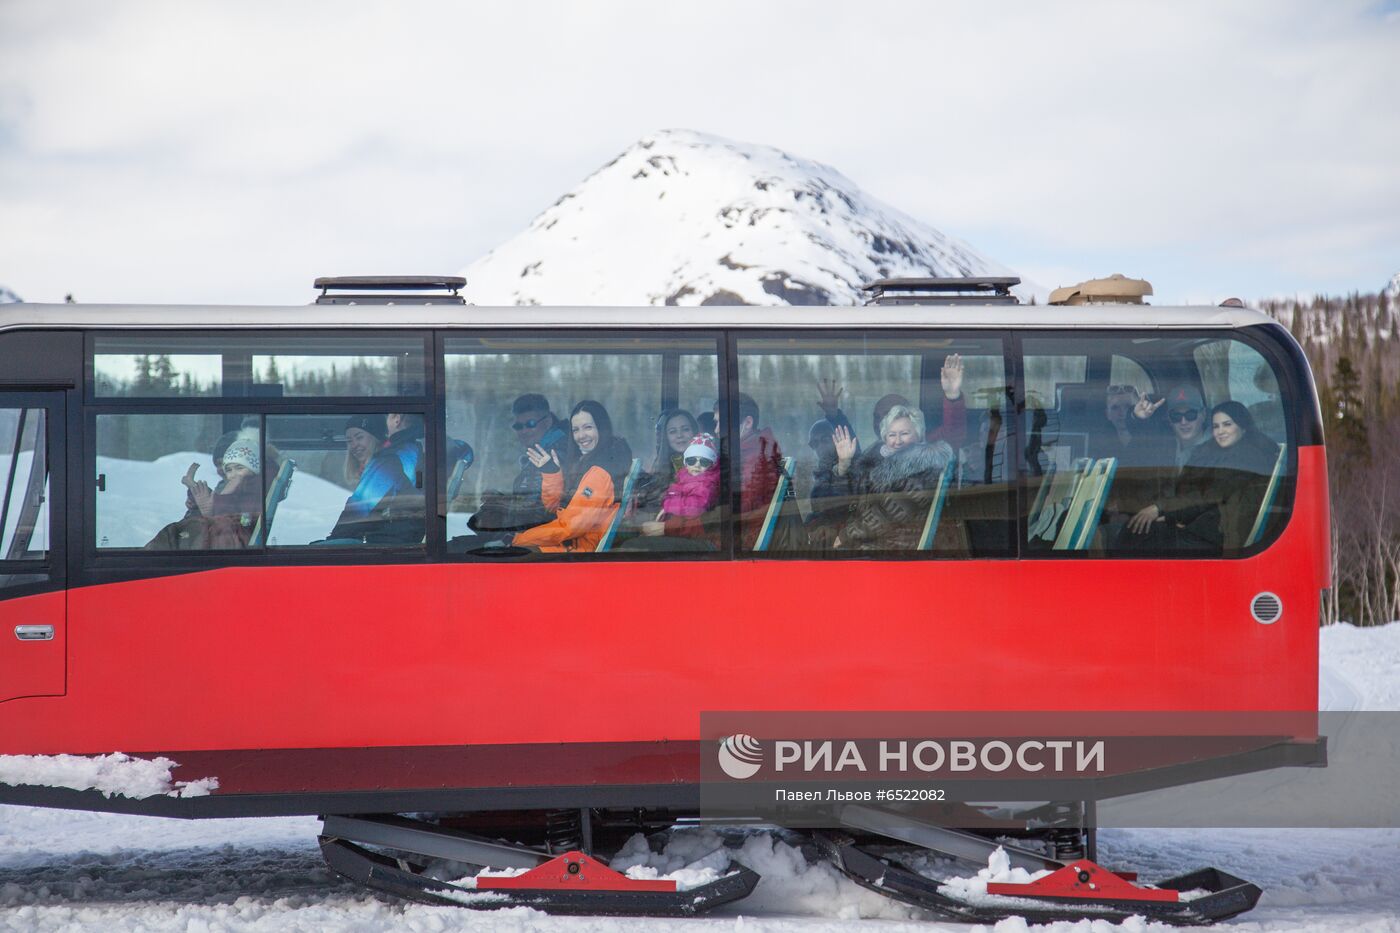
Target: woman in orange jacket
[(589, 484)]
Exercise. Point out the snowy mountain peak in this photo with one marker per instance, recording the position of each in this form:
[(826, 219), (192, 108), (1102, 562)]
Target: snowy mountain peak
[(686, 218), (1392, 291), (7, 296)]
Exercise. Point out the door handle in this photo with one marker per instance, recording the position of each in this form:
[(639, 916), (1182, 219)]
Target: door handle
[(34, 632)]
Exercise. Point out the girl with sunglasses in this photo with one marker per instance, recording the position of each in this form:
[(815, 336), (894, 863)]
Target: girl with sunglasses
[(694, 492)]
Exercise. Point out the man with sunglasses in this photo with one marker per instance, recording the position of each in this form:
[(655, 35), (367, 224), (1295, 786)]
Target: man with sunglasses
[(534, 425), (1171, 427), (1186, 415)]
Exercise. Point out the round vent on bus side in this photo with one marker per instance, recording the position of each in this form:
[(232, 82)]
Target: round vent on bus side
[(1266, 608)]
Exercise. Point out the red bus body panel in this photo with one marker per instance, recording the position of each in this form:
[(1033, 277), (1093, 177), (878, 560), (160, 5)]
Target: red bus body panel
[(32, 668), (604, 652)]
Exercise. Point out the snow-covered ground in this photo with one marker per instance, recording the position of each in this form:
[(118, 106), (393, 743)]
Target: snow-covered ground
[(141, 497), (94, 871)]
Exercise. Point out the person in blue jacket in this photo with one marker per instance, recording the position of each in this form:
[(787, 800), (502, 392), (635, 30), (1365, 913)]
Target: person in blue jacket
[(387, 506)]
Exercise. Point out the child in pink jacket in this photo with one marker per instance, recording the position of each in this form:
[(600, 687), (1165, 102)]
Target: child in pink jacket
[(695, 492)]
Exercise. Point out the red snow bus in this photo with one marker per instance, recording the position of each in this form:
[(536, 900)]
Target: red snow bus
[(197, 562)]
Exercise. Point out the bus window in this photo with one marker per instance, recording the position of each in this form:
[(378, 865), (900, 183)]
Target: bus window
[(1141, 445), (864, 443), (581, 444), (24, 486), (346, 480), (1234, 370), (155, 365), (178, 482)]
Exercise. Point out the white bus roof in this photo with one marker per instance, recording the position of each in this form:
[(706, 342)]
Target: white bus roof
[(407, 315)]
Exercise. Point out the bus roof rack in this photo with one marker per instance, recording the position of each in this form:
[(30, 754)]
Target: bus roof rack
[(390, 289), (970, 290)]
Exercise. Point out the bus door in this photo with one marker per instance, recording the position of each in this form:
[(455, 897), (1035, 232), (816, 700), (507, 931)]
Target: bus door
[(33, 603)]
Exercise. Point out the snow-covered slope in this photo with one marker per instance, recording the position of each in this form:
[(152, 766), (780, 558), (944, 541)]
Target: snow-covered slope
[(684, 218), (7, 296), (1392, 291)]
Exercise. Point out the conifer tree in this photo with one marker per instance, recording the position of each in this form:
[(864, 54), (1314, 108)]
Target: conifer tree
[(1348, 414), (163, 379), (141, 385)]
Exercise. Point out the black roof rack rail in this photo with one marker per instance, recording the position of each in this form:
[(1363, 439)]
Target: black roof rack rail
[(971, 290), (390, 289)]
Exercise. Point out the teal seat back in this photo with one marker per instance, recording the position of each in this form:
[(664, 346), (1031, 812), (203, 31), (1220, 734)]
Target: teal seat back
[(623, 501), (1082, 519), (770, 520), (1059, 490), (275, 494), (1261, 521), (1042, 496), (935, 509), (454, 482)]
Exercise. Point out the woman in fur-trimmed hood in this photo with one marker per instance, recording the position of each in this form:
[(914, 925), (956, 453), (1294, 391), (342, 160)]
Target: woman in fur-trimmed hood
[(891, 485)]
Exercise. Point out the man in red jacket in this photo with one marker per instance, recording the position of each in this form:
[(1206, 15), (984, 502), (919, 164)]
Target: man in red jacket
[(760, 461)]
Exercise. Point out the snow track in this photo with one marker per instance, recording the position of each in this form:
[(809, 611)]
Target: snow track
[(91, 871)]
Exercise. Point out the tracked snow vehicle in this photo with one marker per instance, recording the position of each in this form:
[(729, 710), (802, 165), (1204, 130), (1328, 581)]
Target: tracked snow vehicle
[(391, 659)]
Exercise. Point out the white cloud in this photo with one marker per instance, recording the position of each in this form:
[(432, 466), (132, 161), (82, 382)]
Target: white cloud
[(213, 151)]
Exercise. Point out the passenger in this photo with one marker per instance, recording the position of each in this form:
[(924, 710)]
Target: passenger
[(191, 532), (1221, 488), (364, 435), (387, 504), (1163, 441), (674, 431), (579, 493), (235, 508), (827, 510), (760, 465), (829, 393), (892, 485), (198, 495), (694, 493), (1119, 402), (1184, 421), (535, 425), (952, 426), (708, 421)]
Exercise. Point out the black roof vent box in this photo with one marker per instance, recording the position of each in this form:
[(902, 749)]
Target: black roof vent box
[(390, 289), (971, 290)]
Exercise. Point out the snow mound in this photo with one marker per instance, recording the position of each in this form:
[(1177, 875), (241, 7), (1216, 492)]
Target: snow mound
[(998, 871), (114, 775), (685, 218), (1359, 665), (691, 860)]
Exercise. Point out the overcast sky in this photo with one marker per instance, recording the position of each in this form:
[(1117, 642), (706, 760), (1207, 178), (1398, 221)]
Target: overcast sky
[(231, 152)]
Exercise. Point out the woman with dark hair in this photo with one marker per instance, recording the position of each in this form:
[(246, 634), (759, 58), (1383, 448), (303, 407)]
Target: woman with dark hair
[(583, 491), (364, 435), (674, 429), (1222, 486), (667, 462)]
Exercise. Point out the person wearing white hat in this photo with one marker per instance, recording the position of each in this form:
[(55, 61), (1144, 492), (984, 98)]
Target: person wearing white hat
[(694, 492)]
